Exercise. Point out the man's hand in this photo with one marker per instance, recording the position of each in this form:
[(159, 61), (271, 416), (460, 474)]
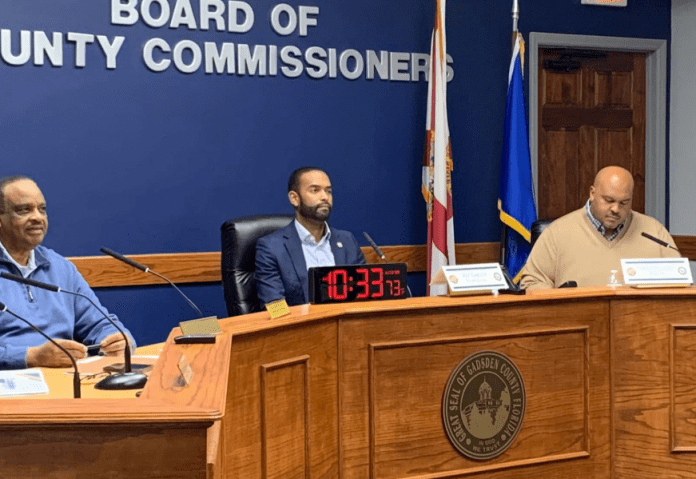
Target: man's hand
[(113, 344), (49, 356)]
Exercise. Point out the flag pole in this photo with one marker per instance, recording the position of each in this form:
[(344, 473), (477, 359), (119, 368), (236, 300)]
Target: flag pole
[(515, 19)]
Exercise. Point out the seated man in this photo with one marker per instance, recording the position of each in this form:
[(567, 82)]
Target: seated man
[(70, 320), (283, 257), (586, 245)]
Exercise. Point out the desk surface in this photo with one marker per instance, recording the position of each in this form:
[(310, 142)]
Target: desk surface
[(59, 380), (60, 384)]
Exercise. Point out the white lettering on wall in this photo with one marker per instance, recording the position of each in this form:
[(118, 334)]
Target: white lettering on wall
[(24, 47), (194, 55), (148, 50), (81, 40), (54, 51)]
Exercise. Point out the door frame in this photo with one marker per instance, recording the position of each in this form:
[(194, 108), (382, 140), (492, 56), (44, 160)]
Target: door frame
[(655, 105)]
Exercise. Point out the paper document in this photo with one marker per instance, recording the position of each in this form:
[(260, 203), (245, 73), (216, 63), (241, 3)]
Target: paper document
[(21, 382)]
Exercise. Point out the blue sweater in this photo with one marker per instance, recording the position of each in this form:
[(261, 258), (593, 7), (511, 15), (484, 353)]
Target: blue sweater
[(59, 315)]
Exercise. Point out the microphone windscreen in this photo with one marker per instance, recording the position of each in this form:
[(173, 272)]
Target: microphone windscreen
[(30, 282), (656, 240)]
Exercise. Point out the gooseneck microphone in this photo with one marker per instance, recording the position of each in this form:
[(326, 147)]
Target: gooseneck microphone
[(513, 288), (145, 269), (125, 380), (378, 250), (375, 247), (659, 241), (76, 378)]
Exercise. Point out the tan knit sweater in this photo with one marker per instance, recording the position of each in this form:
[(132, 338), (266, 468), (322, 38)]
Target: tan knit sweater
[(571, 249)]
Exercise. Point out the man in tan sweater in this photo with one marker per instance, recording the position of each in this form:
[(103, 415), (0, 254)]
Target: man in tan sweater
[(586, 245)]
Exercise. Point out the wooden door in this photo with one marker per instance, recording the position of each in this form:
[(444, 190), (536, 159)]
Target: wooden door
[(591, 115)]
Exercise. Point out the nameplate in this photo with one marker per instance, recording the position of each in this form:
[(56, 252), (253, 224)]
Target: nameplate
[(471, 278), (656, 272), (278, 308), (207, 325)]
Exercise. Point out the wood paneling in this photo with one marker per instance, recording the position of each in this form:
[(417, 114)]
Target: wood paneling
[(174, 452), (393, 419), (283, 405), (686, 246), (105, 271), (406, 399), (682, 365), (609, 377), (654, 387), (182, 268), (355, 391)]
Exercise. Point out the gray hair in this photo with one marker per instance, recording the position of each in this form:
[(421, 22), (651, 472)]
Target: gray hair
[(8, 180)]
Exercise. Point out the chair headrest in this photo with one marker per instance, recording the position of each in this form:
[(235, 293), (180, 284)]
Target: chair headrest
[(239, 237), (238, 254)]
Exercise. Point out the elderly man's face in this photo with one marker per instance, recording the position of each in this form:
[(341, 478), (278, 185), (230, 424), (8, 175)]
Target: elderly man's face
[(611, 201), (23, 220)]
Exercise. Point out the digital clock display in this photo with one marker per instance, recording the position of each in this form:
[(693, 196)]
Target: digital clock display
[(361, 282)]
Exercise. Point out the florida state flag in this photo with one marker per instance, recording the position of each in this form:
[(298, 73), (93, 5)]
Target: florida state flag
[(437, 160)]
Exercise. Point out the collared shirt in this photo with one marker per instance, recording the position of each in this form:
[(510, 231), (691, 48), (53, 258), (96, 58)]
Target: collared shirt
[(600, 227), (316, 254), (25, 270)]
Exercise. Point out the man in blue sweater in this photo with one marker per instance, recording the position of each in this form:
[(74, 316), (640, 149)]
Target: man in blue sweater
[(70, 320)]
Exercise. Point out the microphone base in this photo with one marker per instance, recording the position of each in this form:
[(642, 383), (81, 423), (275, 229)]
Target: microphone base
[(120, 381)]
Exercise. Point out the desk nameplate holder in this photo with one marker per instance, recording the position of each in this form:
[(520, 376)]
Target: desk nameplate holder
[(278, 308), (656, 272), (484, 278), (207, 325)]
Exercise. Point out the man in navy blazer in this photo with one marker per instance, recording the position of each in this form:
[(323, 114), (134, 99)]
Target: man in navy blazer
[(283, 257)]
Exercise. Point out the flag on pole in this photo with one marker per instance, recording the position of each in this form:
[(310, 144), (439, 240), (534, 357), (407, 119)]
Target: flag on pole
[(516, 202), (437, 160)]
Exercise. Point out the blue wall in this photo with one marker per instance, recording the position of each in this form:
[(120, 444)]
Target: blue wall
[(146, 162)]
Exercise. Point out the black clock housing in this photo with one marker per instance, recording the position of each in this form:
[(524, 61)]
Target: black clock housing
[(357, 282)]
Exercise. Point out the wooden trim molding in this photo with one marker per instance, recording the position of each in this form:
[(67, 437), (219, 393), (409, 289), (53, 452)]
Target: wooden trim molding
[(180, 268), (183, 268), (686, 245)]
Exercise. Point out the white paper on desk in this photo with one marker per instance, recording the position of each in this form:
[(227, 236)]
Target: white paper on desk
[(21, 382)]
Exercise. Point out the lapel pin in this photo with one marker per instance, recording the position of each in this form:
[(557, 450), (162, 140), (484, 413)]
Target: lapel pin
[(339, 244)]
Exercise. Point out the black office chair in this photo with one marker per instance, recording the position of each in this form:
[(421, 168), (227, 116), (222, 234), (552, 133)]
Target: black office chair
[(237, 260), (538, 227)]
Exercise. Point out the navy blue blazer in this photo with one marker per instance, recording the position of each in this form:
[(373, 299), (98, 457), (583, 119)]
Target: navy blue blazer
[(281, 270)]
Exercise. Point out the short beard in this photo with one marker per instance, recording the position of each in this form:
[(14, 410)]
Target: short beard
[(312, 213)]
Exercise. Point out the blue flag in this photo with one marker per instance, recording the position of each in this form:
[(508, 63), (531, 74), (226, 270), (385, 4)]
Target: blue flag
[(516, 202)]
